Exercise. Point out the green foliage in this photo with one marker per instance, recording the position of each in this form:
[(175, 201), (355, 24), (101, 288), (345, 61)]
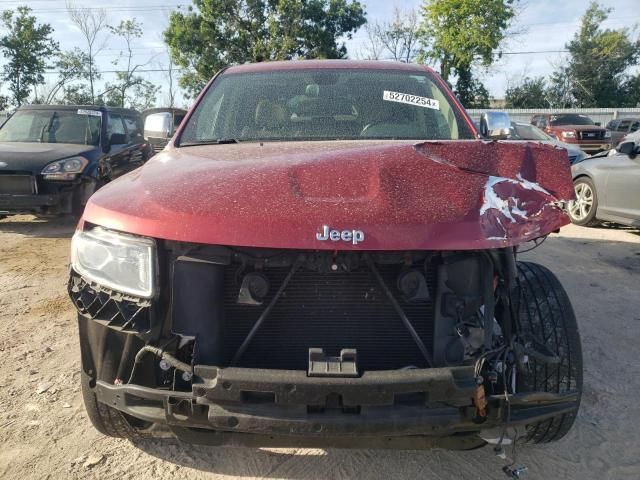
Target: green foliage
[(72, 66), (26, 46), (79, 94), (218, 33), (470, 91), (460, 33), (530, 93), (632, 91), (599, 60), (560, 90)]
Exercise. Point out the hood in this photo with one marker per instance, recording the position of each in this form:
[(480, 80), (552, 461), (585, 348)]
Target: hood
[(399, 194), (32, 157)]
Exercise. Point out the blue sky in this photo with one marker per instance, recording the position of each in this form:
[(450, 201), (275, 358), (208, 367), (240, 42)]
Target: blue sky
[(544, 25)]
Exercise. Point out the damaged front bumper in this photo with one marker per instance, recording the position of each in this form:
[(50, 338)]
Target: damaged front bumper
[(414, 408)]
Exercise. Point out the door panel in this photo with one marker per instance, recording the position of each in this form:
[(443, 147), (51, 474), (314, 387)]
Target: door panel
[(623, 187), (119, 153)]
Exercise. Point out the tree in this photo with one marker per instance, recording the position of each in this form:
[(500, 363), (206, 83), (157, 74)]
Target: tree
[(72, 66), (529, 93), (599, 60), (632, 90), (458, 34), (470, 91), (78, 94), (217, 33), (91, 22), (141, 92), (397, 38), (26, 46), (560, 90)]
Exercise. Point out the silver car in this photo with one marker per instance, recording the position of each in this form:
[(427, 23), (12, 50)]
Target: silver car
[(607, 187)]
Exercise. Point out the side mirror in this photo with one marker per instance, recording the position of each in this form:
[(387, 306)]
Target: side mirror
[(117, 139), (495, 125), (598, 124), (159, 125), (627, 148)]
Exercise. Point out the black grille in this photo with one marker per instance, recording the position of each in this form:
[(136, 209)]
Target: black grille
[(591, 135), (17, 185), (329, 310)]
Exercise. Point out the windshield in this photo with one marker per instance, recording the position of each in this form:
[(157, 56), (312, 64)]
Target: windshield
[(570, 119), (522, 131), (53, 126), (326, 104)]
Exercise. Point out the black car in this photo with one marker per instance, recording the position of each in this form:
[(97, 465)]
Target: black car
[(53, 157)]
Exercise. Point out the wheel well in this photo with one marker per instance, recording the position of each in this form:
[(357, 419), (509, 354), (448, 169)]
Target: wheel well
[(583, 175)]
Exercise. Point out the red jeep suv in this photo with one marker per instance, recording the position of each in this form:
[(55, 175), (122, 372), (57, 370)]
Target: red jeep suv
[(575, 129), (325, 254)]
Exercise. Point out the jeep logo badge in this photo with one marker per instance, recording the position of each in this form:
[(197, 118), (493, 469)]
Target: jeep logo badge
[(353, 236)]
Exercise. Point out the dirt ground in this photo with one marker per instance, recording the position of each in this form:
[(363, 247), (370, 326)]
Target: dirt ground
[(45, 433)]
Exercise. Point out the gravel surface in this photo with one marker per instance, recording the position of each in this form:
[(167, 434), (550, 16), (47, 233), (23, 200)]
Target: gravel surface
[(45, 433)]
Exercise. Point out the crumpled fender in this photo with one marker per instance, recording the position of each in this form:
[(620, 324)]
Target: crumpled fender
[(436, 195)]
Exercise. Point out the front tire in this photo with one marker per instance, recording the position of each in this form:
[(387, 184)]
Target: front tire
[(583, 209), (545, 312)]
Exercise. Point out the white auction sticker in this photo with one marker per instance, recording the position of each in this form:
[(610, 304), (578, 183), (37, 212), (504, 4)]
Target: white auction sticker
[(411, 99), (95, 113)]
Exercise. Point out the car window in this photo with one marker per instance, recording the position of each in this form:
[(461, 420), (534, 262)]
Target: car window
[(53, 126), (570, 119), (115, 125), (522, 131), (623, 126), (612, 124), (133, 129), (634, 126), (325, 104)]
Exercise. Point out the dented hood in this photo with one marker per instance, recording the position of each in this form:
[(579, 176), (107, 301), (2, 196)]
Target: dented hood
[(443, 195)]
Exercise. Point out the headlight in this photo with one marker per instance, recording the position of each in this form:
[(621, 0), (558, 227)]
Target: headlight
[(125, 263), (66, 169), (607, 134), (569, 134)]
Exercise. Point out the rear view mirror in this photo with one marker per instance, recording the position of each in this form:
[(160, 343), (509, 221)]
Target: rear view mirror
[(495, 125), (627, 148)]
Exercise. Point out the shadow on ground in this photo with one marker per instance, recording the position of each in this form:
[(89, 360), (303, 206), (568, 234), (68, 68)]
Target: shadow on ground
[(39, 227)]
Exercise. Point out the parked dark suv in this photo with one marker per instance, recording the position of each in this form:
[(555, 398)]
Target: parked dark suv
[(53, 157)]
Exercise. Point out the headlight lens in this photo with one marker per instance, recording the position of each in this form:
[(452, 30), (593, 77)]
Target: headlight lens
[(125, 263), (569, 134), (607, 134), (65, 169)]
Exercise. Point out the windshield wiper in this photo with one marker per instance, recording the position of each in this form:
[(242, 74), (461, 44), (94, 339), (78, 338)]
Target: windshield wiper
[(217, 141)]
